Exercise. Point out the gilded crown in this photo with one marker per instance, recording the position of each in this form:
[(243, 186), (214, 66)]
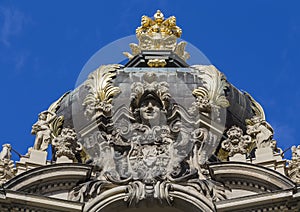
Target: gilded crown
[(158, 34), (158, 25)]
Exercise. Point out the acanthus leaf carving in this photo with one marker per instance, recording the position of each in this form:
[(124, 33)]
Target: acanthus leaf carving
[(100, 91), (210, 97)]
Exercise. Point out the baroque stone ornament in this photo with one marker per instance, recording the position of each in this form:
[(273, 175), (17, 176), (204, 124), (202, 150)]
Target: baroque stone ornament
[(158, 34), (66, 145), (42, 130), (294, 165), (153, 149), (236, 142), (256, 107), (101, 90), (210, 98), (7, 170), (261, 131), (48, 126)]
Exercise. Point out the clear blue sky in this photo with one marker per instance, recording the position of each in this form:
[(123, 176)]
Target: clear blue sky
[(45, 44)]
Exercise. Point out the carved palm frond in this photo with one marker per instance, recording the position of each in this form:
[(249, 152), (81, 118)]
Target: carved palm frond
[(214, 85), (56, 126), (101, 89)]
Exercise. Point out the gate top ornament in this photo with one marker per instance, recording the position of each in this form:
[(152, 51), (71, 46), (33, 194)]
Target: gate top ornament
[(153, 131), (158, 34)]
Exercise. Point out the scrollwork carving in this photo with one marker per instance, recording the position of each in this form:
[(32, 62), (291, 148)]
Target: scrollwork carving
[(153, 145)]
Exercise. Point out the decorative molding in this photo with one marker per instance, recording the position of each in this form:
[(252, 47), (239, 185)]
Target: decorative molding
[(153, 147)]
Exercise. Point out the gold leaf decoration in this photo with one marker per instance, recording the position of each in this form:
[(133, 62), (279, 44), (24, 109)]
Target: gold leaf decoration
[(101, 91)]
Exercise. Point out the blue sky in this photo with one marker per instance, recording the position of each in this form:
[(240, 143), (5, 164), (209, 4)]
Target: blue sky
[(45, 44)]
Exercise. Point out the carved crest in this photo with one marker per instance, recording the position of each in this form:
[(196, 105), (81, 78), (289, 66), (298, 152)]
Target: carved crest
[(154, 144)]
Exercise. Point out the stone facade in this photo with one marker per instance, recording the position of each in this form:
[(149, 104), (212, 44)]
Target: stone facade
[(155, 134)]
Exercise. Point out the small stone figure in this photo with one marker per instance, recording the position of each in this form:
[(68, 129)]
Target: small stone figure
[(294, 165), (5, 154), (42, 130), (295, 152), (6, 164)]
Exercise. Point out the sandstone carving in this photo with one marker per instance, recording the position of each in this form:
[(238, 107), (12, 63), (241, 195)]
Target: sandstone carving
[(42, 130), (294, 165), (7, 170), (261, 131), (101, 90), (236, 142), (66, 145), (210, 97), (153, 146)]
